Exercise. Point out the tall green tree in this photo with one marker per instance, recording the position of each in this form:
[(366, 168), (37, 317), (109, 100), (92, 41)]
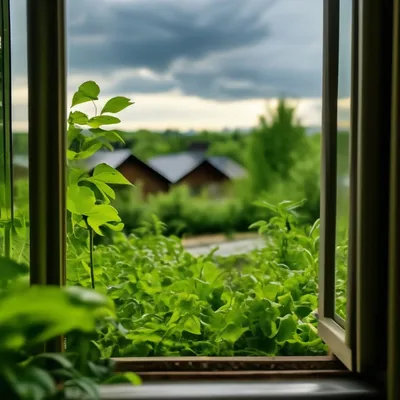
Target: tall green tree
[(274, 148), (228, 148)]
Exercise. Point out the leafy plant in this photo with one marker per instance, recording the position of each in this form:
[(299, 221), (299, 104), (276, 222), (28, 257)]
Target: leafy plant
[(89, 193), (29, 318), (170, 303)]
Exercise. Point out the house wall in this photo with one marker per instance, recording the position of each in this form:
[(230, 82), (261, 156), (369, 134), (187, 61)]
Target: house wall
[(136, 172), (205, 175)]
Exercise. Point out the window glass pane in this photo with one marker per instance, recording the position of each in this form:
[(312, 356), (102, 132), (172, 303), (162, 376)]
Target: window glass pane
[(6, 231), (19, 102), (343, 155), (235, 83), (5, 215)]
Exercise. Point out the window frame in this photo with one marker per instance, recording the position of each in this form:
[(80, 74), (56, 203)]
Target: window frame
[(374, 116), (394, 236), (6, 178), (354, 347), (330, 327), (47, 117)]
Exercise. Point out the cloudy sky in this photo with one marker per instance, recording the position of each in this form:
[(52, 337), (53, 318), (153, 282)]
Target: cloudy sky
[(189, 63)]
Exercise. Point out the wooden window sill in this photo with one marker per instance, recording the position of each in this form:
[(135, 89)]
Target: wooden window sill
[(193, 367)]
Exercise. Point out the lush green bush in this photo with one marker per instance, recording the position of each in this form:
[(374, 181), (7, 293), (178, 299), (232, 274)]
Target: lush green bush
[(187, 215), (170, 303)]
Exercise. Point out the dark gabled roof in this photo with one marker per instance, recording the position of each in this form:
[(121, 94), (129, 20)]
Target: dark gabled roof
[(227, 166), (170, 167), (175, 166)]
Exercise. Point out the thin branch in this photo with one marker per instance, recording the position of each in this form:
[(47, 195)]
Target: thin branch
[(95, 108), (91, 257)]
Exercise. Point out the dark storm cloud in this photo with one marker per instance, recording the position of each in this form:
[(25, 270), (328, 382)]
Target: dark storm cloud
[(275, 83), (138, 84), (216, 49), (235, 79), (153, 33)]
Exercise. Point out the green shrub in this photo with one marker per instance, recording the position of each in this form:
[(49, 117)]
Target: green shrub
[(187, 215), (170, 303)]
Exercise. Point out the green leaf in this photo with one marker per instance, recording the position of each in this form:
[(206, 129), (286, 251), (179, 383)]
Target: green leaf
[(80, 199), (10, 269), (86, 385), (74, 174), (176, 315), (100, 120), (90, 299), (90, 141), (303, 310), (88, 91), (79, 98), (78, 117), (186, 303), (258, 224), (263, 313), (192, 325), (73, 133), (60, 360), (115, 227), (102, 214), (232, 333), (266, 205), (292, 205), (72, 155), (286, 304), (210, 272), (310, 299), (270, 290), (105, 173), (287, 328), (47, 312), (126, 377), (111, 136), (116, 104), (103, 188), (31, 382)]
